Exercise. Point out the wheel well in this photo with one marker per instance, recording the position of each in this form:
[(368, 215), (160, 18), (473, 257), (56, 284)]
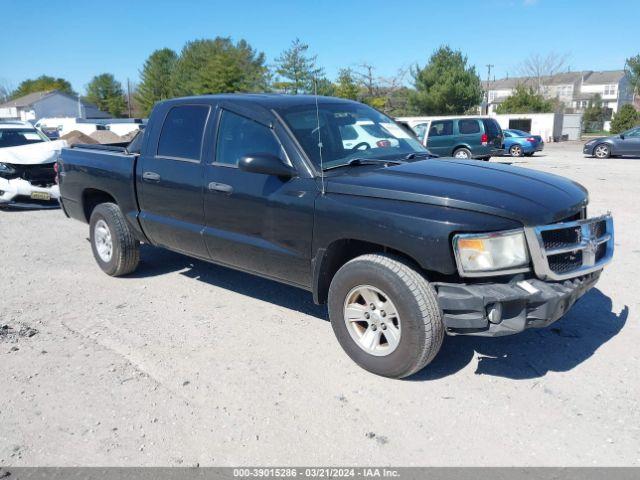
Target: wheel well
[(458, 147), (340, 252), (92, 198)]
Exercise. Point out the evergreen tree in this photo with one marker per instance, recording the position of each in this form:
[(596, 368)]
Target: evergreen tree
[(155, 77)]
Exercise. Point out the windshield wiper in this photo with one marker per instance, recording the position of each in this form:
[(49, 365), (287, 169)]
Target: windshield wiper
[(413, 155), (364, 161)]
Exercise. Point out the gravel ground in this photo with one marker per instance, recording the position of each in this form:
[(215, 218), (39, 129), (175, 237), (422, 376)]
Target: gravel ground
[(187, 363)]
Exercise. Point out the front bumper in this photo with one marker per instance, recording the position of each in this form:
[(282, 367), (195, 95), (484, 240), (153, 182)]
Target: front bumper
[(468, 308), (588, 150), (18, 192)]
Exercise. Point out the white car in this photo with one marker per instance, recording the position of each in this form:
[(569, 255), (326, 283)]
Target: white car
[(363, 135), (27, 159)]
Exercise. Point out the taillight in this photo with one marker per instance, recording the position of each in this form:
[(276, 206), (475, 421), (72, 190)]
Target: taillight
[(383, 143), (531, 139), (484, 139)]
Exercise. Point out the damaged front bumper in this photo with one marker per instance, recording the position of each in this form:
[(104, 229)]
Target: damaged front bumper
[(497, 309), (18, 192)]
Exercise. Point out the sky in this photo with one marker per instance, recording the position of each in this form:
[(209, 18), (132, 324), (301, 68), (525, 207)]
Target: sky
[(79, 39)]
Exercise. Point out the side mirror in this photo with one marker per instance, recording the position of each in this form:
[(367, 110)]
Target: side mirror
[(266, 164), (622, 136)]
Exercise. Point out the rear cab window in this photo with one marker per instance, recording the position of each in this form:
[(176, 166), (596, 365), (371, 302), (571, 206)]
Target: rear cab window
[(182, 132)]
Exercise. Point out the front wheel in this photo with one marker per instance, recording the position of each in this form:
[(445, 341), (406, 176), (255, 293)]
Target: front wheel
[(385, 315), (114, 247), (602, 151)]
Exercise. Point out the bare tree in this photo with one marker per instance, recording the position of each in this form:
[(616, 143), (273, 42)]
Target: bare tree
[(5, 91), (536, 67)]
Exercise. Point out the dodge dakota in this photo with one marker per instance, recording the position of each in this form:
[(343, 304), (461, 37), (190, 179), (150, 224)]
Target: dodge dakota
[(402, 247)]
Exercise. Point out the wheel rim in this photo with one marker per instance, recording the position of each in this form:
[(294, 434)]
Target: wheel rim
[(461, 154), (516, 151), (601, 151), (102, 239), (372, 320)]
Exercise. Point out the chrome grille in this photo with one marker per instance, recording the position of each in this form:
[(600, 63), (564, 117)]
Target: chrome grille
[(569, 249)]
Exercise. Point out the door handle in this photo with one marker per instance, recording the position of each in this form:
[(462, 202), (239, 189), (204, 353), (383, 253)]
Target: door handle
[(151, 176), (220, 187)]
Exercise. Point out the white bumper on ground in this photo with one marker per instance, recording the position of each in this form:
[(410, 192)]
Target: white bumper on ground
[(18, 189)]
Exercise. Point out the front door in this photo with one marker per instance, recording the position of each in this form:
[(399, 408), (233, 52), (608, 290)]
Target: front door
[(171, 181), (255, 222), (440, 140), (630, 145)]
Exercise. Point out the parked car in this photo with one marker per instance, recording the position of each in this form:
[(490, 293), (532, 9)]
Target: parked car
[(464, 137), (626, 143), (364, 135), (402, 247), (27, 161), (518, 143)]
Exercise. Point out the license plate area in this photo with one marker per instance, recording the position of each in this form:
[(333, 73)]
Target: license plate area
[(40, 196)]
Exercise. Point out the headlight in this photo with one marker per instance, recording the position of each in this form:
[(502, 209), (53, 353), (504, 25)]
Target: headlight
[(6, 169), (491, 253)]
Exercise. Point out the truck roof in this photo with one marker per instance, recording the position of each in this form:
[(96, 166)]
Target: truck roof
[(268, 101)]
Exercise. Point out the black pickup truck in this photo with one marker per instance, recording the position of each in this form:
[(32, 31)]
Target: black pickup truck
[(334, 197)]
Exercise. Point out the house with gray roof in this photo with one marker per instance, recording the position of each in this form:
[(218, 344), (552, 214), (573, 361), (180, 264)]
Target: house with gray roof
[(576, 90), (52, 103)]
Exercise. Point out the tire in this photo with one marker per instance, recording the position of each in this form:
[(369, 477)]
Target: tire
[(418, 315), (462, 153), (515, 150), (602, 150), (108, 227)]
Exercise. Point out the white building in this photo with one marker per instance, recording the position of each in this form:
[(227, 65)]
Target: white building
[(574, 89)]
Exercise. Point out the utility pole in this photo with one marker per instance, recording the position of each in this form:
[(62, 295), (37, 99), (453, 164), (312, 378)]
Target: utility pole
[(489, 67), (129, 96)]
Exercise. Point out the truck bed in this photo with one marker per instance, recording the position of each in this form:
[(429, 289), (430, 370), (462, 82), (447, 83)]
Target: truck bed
[(85, 169)]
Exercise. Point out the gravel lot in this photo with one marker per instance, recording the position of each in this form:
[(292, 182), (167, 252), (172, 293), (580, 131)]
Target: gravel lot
[(187, 363)]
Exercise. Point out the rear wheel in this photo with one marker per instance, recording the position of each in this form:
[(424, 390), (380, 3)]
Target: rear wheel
[(385, 315), (602, 151), (515, 150), (114, 247), (462, 153)]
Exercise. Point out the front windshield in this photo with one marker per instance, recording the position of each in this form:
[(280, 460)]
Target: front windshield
[(16, 137), (347, 131)]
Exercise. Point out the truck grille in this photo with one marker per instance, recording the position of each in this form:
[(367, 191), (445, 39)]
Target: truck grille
[(568, 249)]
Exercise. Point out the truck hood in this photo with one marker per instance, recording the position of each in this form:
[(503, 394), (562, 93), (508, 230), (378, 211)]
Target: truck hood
[(33, 154), (527, 196)]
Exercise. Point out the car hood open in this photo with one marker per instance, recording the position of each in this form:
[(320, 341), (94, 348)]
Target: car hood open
[(527, 196), (33, 154)]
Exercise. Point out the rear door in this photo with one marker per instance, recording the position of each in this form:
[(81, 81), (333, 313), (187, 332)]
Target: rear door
[(256, 222), (171, 175), (440, 139), (494, 133)]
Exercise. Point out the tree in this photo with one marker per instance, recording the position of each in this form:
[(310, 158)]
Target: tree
[(626, 118), (525, 100), (5, 92), (632, 69), (446, 85), (218, 66), (594, 115), (537, 67), (43, 83), (346, 86), (107, 94), (155, 78), (296, 69)]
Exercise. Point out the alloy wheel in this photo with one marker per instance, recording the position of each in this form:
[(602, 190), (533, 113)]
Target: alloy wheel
[(372, 320)]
